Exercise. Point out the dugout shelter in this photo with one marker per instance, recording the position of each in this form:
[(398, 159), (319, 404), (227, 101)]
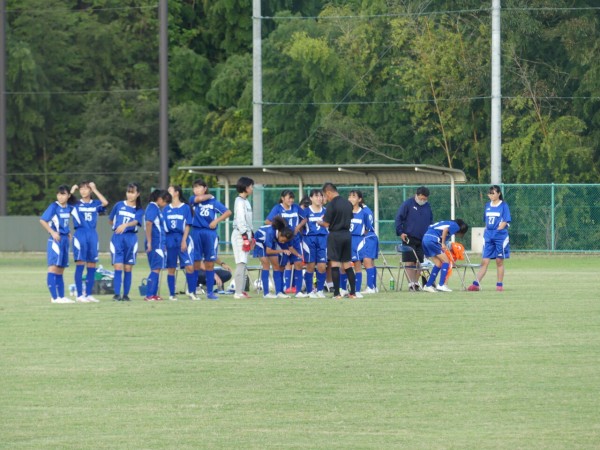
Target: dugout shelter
[(338, 174)]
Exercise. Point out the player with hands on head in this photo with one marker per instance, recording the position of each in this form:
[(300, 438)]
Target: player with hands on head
[(85, 239)]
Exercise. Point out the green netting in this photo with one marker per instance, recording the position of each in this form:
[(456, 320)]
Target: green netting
[(546, 217)]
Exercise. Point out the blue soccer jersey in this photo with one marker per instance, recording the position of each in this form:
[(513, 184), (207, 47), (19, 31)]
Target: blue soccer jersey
[(207, 211), (123, 213), (496, 242), (438, 228), (360, 223), (58, 217), (494, 215), (177, 218), (85, 214), (159, 227), (292, 216), (312, 227), (265, 237)]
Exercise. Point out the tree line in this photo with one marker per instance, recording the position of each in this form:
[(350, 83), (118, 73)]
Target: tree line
[(402, 81)]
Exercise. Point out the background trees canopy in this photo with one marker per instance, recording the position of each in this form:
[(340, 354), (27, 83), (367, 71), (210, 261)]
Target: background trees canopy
[(402, 81)]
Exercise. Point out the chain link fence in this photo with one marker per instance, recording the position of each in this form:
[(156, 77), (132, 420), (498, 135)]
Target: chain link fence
[(545, 217)]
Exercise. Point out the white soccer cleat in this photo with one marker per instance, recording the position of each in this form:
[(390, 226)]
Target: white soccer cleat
[(343, 292), (282, 295), (269, 295), (429, 289), (369, 291), (359, 295), (192, 296), (92, 299), (173, 298), (82, 299), (443, 288), (301, 295), (313, 294), (320, 294)]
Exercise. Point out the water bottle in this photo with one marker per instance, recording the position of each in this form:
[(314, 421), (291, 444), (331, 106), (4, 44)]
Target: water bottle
[(392, 284)]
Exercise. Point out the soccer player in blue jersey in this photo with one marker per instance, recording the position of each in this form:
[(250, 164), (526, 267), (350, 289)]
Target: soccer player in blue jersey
[(291, 213), (496, 244), (55, 220), (208, 213), (314, 244), (273, 249), (125, 218), (180, 247), (85, 239), (156, 241), (434, 246), (366, 248)]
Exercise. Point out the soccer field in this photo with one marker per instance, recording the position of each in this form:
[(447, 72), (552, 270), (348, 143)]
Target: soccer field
[(486, 370)]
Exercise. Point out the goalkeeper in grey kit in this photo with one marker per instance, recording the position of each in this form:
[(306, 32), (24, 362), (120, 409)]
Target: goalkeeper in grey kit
[(241, 237)]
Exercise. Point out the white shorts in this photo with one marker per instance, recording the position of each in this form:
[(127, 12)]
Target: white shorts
[(241, 257)]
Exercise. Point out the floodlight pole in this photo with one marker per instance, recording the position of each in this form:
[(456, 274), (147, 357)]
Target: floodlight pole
[(3, 141), (163, 63), (496, 113), (257, 122)]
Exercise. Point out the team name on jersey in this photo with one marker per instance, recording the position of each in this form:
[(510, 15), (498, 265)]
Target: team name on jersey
[(357, 221), (127, 214), (175, 216), (63, 215), (289, 215), (87, 209), (492, 213), (315, 219)]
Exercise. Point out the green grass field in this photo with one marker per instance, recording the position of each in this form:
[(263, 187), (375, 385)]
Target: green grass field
[(487, 370)]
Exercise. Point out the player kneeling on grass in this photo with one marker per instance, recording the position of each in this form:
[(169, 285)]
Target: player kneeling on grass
[(273, 249), (434, 247)]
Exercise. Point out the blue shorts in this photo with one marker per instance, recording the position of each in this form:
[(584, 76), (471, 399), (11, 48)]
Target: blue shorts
[(157, 259), (260, 250), (498, 247), (296, 244), (314, 248), (58, 252), (357, 241), (370, 247), (174, 252), (206, 244), (85, 245), (286, 259), (432, 246), (123, 248)]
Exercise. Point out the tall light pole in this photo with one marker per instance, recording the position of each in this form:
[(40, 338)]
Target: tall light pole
[(3, 142), (163, 63), (496, 113), (257, 123)]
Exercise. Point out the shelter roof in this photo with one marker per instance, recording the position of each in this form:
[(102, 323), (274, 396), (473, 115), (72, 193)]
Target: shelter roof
[(339, 174)]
